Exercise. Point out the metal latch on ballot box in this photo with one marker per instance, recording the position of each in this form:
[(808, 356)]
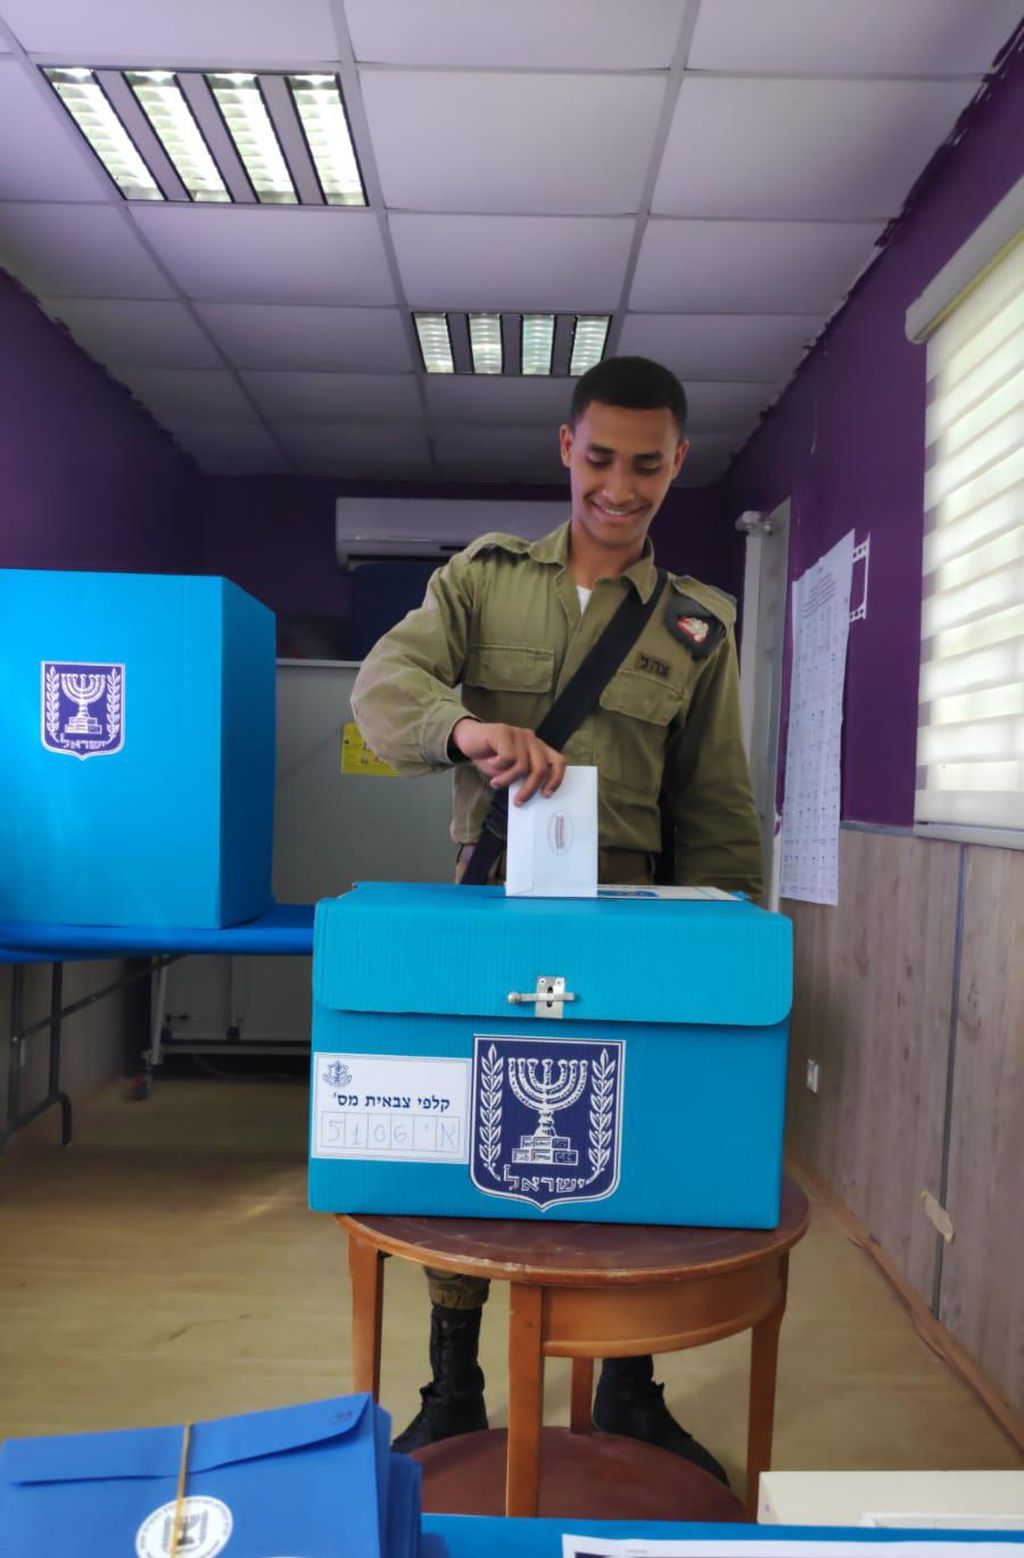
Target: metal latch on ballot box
[(547, 999)]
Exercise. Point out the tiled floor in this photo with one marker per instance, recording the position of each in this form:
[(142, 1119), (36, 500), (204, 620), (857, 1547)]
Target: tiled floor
[(165, 1268)]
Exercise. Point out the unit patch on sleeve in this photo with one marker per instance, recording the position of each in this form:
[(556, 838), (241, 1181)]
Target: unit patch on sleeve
[(694, 625), (546, 1118)]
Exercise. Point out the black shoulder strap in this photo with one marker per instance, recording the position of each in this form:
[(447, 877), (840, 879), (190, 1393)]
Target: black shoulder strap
[(568, 712)]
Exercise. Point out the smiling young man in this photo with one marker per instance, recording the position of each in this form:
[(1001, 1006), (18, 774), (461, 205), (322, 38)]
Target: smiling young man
[(509, 621)]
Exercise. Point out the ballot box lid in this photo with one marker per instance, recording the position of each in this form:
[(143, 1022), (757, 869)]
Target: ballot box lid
[(625, 957)]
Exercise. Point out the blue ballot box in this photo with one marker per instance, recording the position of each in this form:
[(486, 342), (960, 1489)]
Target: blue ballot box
[(618, 1059), (317, 1480), (137, 786)]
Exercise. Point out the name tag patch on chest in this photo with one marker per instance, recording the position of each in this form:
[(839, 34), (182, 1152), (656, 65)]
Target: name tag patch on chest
[(546, 1118)]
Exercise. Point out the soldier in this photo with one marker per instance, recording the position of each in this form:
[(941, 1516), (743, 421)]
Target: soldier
[(508, 622)]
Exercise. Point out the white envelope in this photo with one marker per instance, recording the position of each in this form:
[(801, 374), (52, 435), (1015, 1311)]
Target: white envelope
[(552, 843)]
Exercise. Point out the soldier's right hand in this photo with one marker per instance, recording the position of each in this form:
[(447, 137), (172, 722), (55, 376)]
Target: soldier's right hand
[(505, 753)]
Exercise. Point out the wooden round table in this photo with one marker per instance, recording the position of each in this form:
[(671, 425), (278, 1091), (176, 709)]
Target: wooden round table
[(586, 1291)]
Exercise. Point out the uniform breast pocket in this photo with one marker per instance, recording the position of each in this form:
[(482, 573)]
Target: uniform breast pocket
[(510, 683), (632, 730)]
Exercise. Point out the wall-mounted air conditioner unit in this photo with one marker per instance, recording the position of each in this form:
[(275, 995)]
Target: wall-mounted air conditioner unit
[(432, 529)]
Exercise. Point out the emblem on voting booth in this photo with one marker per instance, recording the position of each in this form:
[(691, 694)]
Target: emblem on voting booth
[(83, 708), (546, 1118)]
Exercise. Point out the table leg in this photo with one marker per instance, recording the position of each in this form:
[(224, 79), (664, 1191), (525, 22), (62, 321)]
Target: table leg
[(366, 1266), (764, 1357), (525, 1399), (582, 1400)]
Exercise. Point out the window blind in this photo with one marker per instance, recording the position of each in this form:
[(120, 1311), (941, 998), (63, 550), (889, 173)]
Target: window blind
[(970, 748)]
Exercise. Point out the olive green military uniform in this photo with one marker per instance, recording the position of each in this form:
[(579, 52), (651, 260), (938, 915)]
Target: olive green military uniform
[(502, 622)]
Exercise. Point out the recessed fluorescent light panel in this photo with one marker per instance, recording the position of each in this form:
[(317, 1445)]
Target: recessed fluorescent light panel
[(550, 345), (588, 342), (168, 111), (88, 105), (435, 342), (241, 102), (324, 123), (538, 343), (485, 342)]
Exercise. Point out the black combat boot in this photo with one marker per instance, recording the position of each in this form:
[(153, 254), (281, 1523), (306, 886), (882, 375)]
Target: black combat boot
[(628, 1402), (453, 1402)]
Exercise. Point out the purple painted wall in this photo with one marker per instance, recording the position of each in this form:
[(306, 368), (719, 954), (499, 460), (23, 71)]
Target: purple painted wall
[(87, 478), (275, 535), (846, 443)]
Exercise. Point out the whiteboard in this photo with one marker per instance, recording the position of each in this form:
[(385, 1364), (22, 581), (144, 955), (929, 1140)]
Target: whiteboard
[(330, 830)]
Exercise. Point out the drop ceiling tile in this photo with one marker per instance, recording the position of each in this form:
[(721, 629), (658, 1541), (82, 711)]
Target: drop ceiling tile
[(239, 448), (77, 251), (185, 32), (512, 262), (575, 34), (42, 155), (385, 451), (329, 397), (291, 336), (755, 267), (270, 254), (488, 398), (135, 335), (722, 346), (187, 393), (726, 408), (873, 37), (444, 141), (802, 150)]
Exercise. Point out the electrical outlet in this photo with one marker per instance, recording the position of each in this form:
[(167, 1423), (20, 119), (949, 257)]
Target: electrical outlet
[(813, 1075)]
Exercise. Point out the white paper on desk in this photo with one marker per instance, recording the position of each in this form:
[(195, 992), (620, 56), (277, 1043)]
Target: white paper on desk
[(956, 1522), (552, 841), (790, 1547)]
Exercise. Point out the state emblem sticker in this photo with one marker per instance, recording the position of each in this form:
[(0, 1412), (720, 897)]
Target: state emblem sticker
[(204, 1527), (547, 1118), (82, 708)]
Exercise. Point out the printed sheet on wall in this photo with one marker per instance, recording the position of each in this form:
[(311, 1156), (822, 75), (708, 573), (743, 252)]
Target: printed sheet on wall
[(811, 805)]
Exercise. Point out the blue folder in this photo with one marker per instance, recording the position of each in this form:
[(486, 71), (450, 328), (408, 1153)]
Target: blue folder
[(317, 1480)]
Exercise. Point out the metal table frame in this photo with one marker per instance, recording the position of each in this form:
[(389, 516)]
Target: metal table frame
[(296, 940)]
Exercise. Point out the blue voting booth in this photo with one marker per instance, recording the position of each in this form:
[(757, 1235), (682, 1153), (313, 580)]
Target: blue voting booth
[(318, 1478), (138, 778), (619, 1059)]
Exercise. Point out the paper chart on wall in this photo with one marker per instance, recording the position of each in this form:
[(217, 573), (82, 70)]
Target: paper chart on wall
[(810, 810)]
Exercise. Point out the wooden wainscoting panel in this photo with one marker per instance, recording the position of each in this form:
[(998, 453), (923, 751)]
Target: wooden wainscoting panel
[(874, 979), (982, 1300)]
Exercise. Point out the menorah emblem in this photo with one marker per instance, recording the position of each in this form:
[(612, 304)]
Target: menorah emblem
[(570, 1081), (83, 708), (532, 1083), (83, 690)]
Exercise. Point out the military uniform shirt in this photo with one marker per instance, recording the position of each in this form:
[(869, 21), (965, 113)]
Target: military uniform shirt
[(501, 624)]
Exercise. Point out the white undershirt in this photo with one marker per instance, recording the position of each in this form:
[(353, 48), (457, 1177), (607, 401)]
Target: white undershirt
[(584, 595)]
